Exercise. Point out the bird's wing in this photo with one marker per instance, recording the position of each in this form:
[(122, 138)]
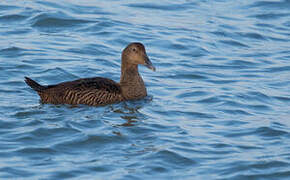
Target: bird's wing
[(91, 91)]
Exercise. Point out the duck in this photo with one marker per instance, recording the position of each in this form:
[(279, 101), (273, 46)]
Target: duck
[(98, 91)]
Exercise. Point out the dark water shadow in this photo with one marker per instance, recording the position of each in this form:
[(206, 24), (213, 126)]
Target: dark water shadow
[(130, 111)]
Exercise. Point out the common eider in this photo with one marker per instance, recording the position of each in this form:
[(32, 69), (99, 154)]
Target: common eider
[(98, 91)]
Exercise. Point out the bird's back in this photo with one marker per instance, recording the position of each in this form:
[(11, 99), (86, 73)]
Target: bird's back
[(91, 91)]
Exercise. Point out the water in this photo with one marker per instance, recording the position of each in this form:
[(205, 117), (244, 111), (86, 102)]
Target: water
[(218, 105)]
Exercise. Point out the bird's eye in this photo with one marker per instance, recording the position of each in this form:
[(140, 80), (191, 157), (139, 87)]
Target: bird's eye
[(134, 49)]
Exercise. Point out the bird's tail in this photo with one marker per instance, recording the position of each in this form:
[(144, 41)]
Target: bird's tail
[(34, 85)]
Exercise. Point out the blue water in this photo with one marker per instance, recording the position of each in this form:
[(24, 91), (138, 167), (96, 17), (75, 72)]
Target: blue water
[(218, 105)]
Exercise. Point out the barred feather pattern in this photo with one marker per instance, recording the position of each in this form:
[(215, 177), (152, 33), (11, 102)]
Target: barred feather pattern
[(90, 91)]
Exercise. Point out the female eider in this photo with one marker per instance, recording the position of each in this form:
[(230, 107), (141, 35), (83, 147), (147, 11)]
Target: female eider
[(98, 90)]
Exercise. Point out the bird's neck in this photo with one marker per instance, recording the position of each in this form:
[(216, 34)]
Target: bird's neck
[(131, 82)]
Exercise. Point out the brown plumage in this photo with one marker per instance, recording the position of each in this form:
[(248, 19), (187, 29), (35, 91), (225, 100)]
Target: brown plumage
[(100, 91)]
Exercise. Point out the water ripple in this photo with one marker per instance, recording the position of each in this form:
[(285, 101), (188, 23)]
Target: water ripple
[(217, 107), (154, 6), (50, 21)]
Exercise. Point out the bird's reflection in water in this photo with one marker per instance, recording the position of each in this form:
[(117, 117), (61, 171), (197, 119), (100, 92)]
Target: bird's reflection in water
[(129, 111), (130, 121)]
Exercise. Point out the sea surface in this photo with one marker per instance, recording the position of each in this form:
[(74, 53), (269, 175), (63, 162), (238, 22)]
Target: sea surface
[(218, 106)]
